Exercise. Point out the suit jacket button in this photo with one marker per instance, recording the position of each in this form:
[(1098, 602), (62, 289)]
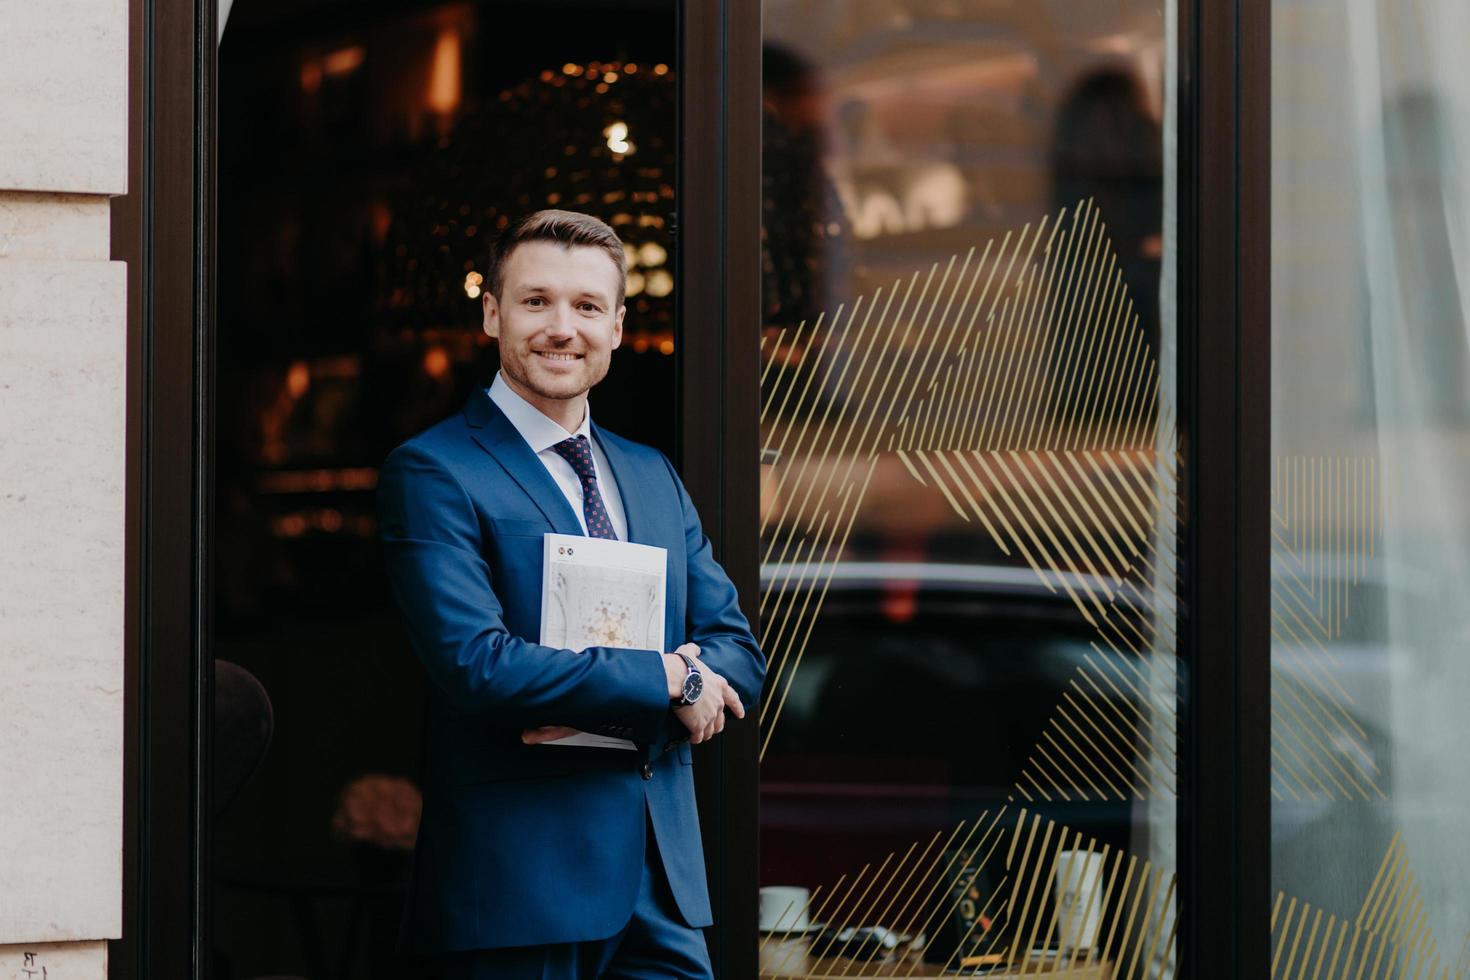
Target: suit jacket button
[(647, 771)]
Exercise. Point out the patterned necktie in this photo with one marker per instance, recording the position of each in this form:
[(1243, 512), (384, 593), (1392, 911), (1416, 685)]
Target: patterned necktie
[(578, 451)]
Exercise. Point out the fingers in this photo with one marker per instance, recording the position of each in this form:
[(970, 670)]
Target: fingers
[(727, 695), (711, 721), (546, 733), (713, 728), (733, 702), (689, 650), (707, 719), (707, 728)]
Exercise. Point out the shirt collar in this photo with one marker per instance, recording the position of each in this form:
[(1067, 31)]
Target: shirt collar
[(540, 432)]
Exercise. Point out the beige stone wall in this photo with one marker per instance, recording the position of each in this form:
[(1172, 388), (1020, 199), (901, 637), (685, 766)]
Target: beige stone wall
[(63, 153)]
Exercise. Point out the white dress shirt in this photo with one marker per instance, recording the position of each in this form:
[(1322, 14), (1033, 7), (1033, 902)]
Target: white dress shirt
[(541, 434)]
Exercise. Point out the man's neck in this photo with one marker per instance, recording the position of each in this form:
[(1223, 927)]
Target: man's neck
[(565, 412)]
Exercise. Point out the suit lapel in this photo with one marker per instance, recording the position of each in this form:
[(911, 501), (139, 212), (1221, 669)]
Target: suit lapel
[(492, 431)]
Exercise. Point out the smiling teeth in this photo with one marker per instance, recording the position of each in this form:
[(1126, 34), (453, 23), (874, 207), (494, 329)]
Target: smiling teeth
[(558, 357)]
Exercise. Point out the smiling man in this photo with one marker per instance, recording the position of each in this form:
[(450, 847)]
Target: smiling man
[(537, 860)]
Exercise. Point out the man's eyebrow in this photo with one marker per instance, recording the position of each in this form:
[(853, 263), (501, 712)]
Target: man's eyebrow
[(584, 294)]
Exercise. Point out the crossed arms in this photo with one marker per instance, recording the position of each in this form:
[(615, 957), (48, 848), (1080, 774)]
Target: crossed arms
[(433, 547)]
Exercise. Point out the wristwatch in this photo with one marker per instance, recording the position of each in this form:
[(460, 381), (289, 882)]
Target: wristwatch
[(693, 684)]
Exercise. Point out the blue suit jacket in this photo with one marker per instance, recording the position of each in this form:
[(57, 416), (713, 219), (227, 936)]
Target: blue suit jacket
[(522, 844)]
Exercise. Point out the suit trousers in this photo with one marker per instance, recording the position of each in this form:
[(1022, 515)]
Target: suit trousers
[(655, 944)]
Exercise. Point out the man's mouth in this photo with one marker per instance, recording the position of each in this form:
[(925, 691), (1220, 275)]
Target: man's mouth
[(556, 355)]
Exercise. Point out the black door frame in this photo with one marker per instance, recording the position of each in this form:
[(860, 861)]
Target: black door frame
[(161, 228), (719, 437), (164, 229), (1225, 380)]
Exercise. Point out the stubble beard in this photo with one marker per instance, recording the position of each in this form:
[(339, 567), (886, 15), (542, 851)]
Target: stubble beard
[(521, 374)]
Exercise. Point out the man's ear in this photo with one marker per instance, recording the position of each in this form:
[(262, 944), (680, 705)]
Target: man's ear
[(490, 322), (617, 332)]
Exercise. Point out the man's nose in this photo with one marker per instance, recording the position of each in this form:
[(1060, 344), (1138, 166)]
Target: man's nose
[(562, 326)]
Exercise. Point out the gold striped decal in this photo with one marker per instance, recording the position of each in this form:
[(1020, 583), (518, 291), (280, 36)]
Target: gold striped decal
[(1326, 519), (1018, 384), (1002, 870), (1389, 938), (1020, 387)]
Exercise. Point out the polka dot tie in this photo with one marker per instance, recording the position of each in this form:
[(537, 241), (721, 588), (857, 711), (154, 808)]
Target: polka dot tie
[(578, 451)]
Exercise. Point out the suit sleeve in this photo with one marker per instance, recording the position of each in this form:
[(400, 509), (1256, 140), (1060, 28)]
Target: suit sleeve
[(432, 543), (713, 619)]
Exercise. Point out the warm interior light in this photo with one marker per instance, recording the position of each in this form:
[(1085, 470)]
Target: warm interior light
[(344, 60), (298, 379), (444, 75), (651, 254), (318, 480), (617, 138), (436, 362), (311, 77)]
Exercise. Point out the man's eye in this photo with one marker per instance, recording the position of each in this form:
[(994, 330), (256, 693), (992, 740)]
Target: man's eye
[(591, 307), (535, 301)]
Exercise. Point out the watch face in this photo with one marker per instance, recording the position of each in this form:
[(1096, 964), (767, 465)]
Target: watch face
[(693, 686)]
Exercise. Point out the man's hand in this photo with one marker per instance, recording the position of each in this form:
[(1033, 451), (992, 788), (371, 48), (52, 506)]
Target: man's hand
[(674, 672), (547, 733), (704, 718)]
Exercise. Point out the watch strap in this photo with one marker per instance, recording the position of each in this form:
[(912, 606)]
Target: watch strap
[(693, 669)]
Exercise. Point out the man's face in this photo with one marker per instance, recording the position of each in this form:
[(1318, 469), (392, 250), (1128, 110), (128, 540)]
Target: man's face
[(557, 319)]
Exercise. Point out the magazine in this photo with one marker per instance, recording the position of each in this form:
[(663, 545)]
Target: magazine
[(598, 592)]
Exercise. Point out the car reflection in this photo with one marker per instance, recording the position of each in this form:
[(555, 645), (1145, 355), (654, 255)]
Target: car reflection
[(926, 687), (916, 703)]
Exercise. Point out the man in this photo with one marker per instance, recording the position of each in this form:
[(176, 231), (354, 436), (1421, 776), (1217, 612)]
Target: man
[(547, 860)]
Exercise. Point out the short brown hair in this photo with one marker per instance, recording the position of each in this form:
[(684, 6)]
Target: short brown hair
[(570, 228)]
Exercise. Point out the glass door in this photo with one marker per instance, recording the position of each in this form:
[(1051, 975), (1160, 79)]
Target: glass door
[(970, 484)]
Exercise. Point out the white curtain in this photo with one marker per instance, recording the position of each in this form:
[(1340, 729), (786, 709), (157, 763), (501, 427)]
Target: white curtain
[(1371, 211)]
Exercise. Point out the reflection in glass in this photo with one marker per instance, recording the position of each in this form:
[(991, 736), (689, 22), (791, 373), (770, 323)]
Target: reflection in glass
[(969, 491), (1370, 567)]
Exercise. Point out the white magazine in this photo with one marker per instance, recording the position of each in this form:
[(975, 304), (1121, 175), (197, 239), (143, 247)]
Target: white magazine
[(598, 592)]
